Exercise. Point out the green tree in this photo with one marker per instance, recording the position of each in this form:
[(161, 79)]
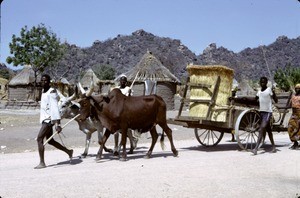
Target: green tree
[(4, 73), (104, 72), (38, 47), (287, 78)]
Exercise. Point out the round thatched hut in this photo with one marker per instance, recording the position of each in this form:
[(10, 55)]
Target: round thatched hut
[(153, 78), (89, 77), (21, 86), (3, 87)]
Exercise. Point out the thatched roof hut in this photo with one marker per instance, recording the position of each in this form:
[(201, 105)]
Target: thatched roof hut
[(149, 68), (89, 77), (3, 87), (244, 89), (21, 87)]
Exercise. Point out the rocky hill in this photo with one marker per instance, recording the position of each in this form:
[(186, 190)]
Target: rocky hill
[(124, 51)]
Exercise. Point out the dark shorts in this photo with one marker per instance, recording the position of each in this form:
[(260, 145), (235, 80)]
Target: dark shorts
[(265, 116)]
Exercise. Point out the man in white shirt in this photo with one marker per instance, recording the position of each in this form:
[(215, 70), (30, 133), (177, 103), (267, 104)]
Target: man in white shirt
[(126, 90), (49, 116), (265, 96), (123, 86)]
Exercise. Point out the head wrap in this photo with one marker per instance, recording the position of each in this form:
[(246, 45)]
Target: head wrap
[(123, 76), (297, 86)]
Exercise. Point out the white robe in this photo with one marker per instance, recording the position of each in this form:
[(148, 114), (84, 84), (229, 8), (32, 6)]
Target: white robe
[(49, 106)]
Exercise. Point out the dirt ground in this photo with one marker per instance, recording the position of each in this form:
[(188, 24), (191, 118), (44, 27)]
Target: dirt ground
[(221, 171)]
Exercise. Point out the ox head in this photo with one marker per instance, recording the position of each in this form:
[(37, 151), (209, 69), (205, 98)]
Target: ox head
[(65, 103), (84, 101), (90, 105)]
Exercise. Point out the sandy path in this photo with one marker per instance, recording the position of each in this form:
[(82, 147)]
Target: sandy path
[(222, 171)]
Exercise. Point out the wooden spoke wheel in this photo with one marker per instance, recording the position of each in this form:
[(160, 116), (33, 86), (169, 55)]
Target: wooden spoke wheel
[(246, 129), (207, 137), (276, 114)]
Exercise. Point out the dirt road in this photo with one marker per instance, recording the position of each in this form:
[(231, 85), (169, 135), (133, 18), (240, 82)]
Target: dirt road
[(221, 171)]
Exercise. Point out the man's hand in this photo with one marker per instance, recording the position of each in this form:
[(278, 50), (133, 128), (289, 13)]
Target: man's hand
[(58, 127)]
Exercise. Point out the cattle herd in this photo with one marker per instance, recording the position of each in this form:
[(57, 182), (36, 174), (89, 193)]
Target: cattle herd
[(117, 113)]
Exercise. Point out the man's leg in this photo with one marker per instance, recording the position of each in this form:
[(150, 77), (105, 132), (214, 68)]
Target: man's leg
[(269, 130), (45, 129), (261, 135), (58, 145)]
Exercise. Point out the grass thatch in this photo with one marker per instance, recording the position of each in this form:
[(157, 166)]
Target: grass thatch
[(208, 75), (25, 77), (150, 68)]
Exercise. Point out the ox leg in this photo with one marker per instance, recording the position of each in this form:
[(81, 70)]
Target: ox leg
[(124, 138), (116, 148), (102, 144), (87, 144), (100, 139), (168, 131), (154, 136), (132, 141)]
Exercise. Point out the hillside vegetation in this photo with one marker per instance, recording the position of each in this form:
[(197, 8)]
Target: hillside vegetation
[(124, 52)]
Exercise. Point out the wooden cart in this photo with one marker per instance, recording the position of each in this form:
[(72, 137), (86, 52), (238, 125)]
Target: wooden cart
[(241, 121)]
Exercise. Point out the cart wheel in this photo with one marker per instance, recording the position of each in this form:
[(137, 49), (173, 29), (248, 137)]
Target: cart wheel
[(208, 137), (276, 114), (246, 129)]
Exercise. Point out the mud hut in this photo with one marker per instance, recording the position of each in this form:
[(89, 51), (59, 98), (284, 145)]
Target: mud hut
[(89, 77), (21, 86), (153, 78), (3, 87)]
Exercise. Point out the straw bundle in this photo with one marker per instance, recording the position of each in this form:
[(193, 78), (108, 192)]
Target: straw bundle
[(208, 75)]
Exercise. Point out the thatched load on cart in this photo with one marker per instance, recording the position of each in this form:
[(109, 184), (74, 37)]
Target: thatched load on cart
[(217, 82), (212, 112)]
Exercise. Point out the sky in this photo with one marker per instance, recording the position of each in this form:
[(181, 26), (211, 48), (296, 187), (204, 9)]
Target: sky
[(233, 24)]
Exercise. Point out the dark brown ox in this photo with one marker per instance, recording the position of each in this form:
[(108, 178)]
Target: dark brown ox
[(117, 111)]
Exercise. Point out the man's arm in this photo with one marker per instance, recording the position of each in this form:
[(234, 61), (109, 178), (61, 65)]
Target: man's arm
[(54, 110), (274, 96)]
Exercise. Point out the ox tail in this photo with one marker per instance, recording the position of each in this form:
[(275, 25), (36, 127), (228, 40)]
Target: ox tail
[(162, 141)]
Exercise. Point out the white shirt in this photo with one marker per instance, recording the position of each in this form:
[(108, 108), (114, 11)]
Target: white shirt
[(125, 90), (49, 106), (265, 100)]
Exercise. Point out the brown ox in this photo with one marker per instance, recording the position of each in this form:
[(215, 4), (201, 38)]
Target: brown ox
[(117, 111)]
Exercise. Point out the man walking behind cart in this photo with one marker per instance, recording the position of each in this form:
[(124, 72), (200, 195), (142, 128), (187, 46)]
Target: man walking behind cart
[(265, 96), (49, 116)]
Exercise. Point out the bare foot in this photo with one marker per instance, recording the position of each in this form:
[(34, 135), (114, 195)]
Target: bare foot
[(273, 150), (70, 153), (40, 166)]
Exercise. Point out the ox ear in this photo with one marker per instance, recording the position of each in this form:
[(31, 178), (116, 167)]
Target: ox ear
[(75, 104)]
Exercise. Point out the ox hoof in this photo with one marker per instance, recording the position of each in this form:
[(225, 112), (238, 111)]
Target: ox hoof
[(175, 153), (83, 155), (130, 152), (147, 157), (122, 159), (116, 153)]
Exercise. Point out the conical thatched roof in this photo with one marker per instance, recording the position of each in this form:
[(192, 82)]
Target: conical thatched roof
[(150, 68), (3, 81), (88, 77), (25, 77)]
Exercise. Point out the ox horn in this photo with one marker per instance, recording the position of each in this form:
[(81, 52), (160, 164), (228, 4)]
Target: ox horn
[(71, 97), (90, 90), (81, 88)]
